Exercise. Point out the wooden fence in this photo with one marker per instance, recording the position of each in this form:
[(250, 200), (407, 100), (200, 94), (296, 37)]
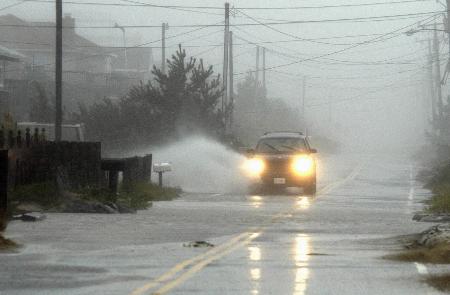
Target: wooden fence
[(3, 188), (74, 165)]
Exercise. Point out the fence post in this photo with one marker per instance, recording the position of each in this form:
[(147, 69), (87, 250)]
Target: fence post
[(27, 137), (3, 187), (2, 137), (147, 173), (11, 139)]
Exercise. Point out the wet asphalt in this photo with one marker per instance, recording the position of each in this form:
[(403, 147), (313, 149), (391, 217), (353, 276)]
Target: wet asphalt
[(289, 243)]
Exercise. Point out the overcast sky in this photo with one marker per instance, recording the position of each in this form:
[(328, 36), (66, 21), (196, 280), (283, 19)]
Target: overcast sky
[(377, 87)]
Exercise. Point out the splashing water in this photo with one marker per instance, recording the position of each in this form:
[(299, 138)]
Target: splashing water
[(202, 165)]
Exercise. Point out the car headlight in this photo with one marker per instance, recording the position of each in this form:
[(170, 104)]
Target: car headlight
[(303, 165), (254, 166)]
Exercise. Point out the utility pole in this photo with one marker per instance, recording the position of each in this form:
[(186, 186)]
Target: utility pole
[(164, 27), (231, 78), (264, 70), (447, 28), (431, 82), (257, 67), (58, 71), (124, 39), (304, 104), (438, 72), (225, 57)]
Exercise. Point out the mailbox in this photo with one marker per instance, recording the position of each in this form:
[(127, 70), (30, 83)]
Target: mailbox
[(162, 167)]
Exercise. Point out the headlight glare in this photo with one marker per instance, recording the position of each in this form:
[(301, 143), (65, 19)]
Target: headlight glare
[(303, 165), (254, 166)]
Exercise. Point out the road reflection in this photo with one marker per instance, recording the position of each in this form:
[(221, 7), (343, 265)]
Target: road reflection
[(303, 203), (256, 201), (302, 249), (254, 255)]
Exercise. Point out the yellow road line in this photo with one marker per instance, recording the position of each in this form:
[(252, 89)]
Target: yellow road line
[(197, 263), (182, 265), (199, 266)]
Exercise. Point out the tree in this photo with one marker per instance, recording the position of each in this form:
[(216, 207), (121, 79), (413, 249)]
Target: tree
[(41, 110), (183, 100)]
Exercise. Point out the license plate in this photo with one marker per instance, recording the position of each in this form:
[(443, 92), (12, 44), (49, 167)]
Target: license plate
[(279, 181)]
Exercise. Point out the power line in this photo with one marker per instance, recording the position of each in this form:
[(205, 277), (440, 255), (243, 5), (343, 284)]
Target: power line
[(201, 37), (347, 48), (12, 5), (390, 87), (284, 33), (336, 61), (374, 18), (207, 50), (144, 4), (140, 4), (119, 50)]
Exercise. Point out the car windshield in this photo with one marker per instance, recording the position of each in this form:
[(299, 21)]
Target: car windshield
[(281, 145)]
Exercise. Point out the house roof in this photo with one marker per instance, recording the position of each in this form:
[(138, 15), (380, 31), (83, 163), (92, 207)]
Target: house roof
[(10, 54), (40, 36)]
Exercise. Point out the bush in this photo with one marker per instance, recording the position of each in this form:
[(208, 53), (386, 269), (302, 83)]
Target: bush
[(439, 176), (440, 203), (439, 183), (44, 194), (139, 195)]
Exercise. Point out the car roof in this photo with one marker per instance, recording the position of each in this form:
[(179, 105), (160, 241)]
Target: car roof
[(283, 134)]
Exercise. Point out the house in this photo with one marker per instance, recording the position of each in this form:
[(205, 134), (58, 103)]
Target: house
[(134, 62), (36, 41), (11, 63), (90, 71)]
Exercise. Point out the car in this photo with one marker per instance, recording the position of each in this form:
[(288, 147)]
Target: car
[(283, 159)]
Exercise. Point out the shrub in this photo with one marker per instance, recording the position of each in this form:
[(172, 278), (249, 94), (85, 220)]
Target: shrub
[(44, 194), (140, 194)]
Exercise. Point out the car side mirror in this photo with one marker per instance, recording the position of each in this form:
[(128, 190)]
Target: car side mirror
[(313, 151)]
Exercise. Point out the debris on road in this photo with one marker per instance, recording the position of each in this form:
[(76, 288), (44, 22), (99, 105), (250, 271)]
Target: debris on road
[(430, 217), (438, 234), (27, 207), (440, 282), (83, 206), (430, 246), (198, 244), (7, 244), (29, 217)]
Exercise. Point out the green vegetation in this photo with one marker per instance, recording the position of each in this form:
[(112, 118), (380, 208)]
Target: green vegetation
[(440, 282), (439, 183), (439, 254), (7, 244), (440, 203), (138, 196), (44, 194), (172, 104)]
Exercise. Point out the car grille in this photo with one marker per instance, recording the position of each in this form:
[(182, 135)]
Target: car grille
[(278, 166)]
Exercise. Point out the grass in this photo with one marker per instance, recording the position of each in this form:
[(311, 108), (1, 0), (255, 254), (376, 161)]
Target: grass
[(7, 244), (141, 194), (44, 194), (136, 196), (440, 282), (439, 254), (440, 202)]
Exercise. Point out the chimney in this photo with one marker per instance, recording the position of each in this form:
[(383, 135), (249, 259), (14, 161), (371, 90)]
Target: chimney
[(69, 23)]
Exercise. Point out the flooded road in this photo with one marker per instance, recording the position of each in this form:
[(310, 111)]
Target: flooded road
[(264, 244)]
